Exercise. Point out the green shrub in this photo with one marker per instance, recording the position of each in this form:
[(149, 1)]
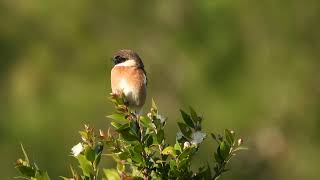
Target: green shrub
[(137, 144)]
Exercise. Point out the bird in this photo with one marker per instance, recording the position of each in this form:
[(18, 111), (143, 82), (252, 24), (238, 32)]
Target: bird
[(128, 77)]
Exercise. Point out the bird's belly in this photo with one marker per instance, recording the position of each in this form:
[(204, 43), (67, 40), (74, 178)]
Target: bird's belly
[(133, 93)]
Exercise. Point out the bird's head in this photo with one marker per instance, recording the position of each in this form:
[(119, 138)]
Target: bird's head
[(127, 58)]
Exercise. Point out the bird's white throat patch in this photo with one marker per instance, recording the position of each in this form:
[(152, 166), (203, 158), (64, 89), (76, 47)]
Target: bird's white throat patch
[(129, 62)]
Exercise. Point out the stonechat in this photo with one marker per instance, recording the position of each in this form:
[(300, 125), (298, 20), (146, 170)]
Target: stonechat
[(129, 77)]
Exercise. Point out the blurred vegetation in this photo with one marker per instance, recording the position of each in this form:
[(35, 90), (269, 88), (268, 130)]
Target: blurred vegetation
[(249, 65)]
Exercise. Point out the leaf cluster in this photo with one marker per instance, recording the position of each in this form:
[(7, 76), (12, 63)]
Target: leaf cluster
[(138, 146)]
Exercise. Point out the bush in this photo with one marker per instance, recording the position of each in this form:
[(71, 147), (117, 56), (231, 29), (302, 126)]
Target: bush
[(137, 144)]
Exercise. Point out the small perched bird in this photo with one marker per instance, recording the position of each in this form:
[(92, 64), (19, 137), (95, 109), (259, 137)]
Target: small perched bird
[(129, 77)]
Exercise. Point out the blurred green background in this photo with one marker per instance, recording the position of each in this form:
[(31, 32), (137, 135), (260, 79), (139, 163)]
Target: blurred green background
[(251, 66)]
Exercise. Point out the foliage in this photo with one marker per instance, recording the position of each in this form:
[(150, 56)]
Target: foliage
[(138, 146)]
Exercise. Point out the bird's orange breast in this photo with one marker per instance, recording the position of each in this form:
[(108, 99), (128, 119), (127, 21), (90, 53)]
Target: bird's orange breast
[(131, 81)]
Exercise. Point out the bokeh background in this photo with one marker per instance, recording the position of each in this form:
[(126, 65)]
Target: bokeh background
[(251, 66)]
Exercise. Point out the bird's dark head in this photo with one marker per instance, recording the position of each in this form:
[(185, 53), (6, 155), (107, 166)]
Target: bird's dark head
[(127, 57)]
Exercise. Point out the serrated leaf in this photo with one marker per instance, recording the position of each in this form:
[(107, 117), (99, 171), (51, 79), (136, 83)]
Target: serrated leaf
[(111, 174), (187, 119), (117, 117)]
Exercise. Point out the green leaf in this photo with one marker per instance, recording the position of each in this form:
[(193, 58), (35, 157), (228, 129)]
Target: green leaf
[(64, 178), (97, 159), (154, 106), (136, 157), (240, 148), (160, 136), (120, 166), (25, 154), (89, 154), (229, 136), (185, 130), (126, 135), (187, 119), (42, 175), (224, 150), (124, 155), (84, 134), (111, 174), (116, 125), (217, 158), (187, 152), (117, 117), (169, 151), (85, 165), (138, 148), (194, 115), (177, 147), (146, 122), (26, 170), (183, 163), (148, 139), (134, 128), (124, 127)]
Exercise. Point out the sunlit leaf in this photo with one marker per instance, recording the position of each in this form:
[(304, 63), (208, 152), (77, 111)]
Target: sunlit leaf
[(111, 174), (154, 106), (85, 165), (168, 151), (117, 117), (25, 154)]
